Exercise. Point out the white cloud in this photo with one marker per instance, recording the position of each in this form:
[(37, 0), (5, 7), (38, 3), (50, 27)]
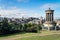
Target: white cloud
[(17, 13), (50, 5), (14, 12), (35, 15)]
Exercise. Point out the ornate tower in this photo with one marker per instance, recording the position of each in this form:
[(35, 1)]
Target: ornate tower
[(49, 24), (49, 15)]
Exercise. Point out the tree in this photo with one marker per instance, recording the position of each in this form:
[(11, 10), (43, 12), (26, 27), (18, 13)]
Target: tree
[(21, 27), (5, 26), (0, 27), (25, 27)]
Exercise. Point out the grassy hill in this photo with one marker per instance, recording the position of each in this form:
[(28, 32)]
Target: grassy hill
[(43, 35), (49, 37)]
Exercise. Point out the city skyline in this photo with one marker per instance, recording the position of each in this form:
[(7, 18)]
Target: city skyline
[(28, 8)]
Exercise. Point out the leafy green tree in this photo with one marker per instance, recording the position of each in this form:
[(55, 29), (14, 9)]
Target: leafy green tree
[(5, 26), (25, 27), (0, 27), (12, 26), (21, 27)]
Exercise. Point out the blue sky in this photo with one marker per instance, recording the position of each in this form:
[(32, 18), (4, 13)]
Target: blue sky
[(28, 8)]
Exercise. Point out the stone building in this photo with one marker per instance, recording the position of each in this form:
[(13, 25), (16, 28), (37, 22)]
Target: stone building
[(49, 24)]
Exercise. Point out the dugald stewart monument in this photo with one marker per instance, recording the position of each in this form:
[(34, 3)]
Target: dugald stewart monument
[(49, 24)]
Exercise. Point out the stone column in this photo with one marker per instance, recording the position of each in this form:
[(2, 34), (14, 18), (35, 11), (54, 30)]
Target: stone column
[(55, 28), (49, 16), (52, 17), (46, 16), (48, 28)]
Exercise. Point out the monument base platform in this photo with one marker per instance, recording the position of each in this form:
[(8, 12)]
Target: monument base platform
[(49, 25)]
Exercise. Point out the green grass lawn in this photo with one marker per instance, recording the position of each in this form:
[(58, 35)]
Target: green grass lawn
[(49, 37)]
